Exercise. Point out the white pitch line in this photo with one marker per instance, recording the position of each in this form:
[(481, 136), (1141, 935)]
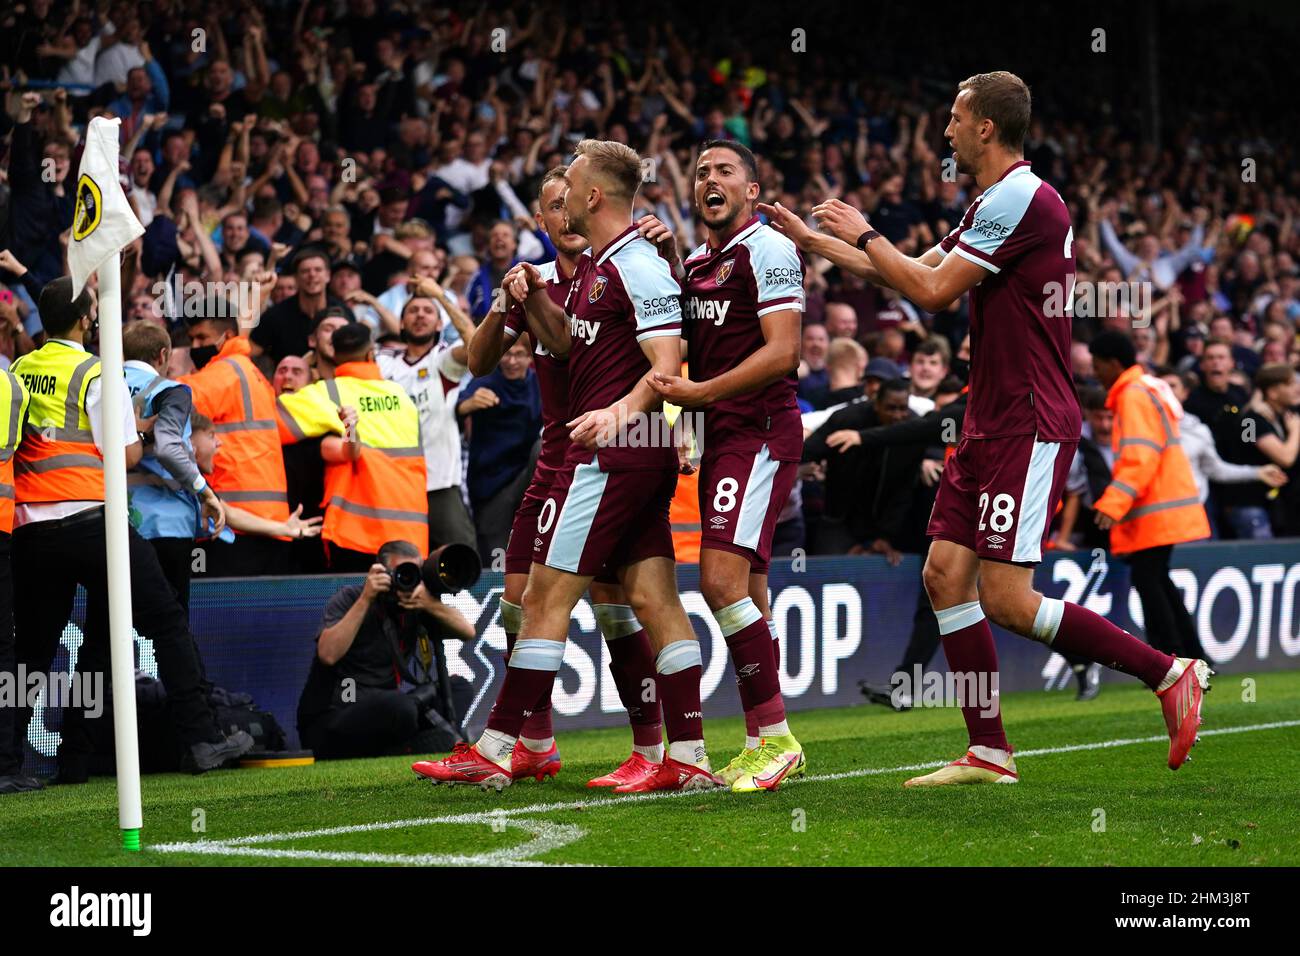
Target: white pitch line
[(561, 835), (546, 837)]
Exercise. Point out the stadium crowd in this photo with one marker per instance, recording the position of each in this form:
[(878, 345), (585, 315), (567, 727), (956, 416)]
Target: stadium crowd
[(376, 165)]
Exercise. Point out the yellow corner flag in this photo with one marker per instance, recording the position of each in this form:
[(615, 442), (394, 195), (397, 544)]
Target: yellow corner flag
[(102, 221)]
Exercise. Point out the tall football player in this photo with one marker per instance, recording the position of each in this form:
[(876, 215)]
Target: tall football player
[(994, 506), (609, 505), (742, 326), (631, 659)]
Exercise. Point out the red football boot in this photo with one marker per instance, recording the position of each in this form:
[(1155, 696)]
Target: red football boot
[(672, 775), (629, 771), (1181, 704), (464, 765), (526, 763)]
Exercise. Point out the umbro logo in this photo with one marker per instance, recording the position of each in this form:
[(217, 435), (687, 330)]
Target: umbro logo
[(749, 670), (717, 521), (537, 542), (995, 539)]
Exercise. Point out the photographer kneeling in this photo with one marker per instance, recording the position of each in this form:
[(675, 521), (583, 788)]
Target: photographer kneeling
[(352, 705)]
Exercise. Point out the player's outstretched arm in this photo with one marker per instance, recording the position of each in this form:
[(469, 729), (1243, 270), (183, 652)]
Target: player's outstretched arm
[(931, 282), (839, 252), (489, 342), (842, 254), (778, 357)]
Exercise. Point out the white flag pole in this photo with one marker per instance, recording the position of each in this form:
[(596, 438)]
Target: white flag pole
[(129, 814), (102, 224)]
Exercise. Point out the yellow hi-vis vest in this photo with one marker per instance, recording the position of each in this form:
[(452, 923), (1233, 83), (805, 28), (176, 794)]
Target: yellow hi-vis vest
[(379, 497), (14, 400), (58, 459)]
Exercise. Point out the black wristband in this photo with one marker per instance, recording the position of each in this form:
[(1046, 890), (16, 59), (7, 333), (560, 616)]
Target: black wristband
[(865, 238)]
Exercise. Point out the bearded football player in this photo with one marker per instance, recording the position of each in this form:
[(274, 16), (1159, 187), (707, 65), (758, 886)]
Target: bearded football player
[(742, 325)]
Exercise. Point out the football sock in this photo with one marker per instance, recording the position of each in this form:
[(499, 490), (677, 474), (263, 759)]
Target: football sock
[(538, 726), (749, 638), (534, 663), (1071, 629), (632, 665), (752, 730), (496, 746), (654, 754), (991, 754), (689, 751), (535, 744), (679, 667), (968, 646)]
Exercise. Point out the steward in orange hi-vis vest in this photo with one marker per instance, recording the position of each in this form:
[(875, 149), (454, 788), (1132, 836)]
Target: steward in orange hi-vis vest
[(379, 495), (58, 459), (1152, 496), (248, 469), (14, 400)]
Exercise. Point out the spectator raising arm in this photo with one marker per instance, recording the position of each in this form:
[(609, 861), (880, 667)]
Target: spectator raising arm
[(429, 288)]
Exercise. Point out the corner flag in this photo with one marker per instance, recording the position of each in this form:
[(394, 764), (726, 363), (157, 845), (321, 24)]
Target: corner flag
[(102, 223)]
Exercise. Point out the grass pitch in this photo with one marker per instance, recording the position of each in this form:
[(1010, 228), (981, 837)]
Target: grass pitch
[(1094, 791)]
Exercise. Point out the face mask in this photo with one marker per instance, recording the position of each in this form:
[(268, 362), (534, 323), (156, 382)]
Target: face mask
[(201, 355)]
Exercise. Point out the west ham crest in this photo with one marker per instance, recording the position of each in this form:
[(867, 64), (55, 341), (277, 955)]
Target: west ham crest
[(597, 289), (724, 272)]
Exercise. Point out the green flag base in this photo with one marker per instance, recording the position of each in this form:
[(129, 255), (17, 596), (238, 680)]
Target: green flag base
[(131, 841)]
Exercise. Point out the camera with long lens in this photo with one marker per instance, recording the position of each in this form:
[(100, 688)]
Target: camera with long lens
[(450, 569)]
